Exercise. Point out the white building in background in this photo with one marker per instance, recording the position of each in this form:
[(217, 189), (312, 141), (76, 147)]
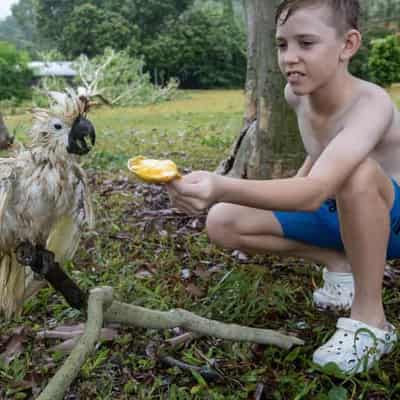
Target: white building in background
[(52, 68)]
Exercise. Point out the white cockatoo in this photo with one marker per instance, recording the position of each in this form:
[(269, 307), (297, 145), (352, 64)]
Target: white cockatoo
[(44, 199)]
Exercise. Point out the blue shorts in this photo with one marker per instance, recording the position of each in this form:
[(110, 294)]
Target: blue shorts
[(321, 227)]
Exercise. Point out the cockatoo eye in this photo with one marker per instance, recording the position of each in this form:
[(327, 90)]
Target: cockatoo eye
[(58, 126)]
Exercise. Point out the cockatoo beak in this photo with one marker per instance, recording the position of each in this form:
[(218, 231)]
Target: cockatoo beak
[(81, 129)]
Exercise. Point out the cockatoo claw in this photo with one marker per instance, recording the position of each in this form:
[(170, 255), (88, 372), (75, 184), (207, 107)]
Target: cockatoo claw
[(26, 254), (43, 262)]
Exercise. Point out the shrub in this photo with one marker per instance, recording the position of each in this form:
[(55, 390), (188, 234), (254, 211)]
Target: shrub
[(203, 49), (384, 60), (359, 65), (15, 76)]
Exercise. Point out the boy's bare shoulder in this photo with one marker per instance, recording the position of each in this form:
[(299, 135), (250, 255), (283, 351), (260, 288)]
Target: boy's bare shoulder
[(371, 96)]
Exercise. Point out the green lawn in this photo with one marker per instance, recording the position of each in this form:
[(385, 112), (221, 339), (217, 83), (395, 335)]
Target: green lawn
[(164, 260)]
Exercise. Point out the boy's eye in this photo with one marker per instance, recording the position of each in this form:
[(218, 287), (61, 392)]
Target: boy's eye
[(306, 43), (281, 45)]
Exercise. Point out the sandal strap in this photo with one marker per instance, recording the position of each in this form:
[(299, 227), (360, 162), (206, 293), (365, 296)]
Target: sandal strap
[(352, 325), (344, 278)]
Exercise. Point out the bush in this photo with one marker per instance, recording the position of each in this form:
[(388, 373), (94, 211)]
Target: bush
[(15, 76), (203, 49), (384, 60), (359, 65), (91, 29)]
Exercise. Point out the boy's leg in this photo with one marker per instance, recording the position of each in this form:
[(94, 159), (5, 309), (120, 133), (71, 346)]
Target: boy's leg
[(364, 203), (258, 231)]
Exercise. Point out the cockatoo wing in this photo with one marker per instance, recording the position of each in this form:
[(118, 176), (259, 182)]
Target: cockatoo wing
[(64, 239), (12, 275), (65, 234), (7, 177)]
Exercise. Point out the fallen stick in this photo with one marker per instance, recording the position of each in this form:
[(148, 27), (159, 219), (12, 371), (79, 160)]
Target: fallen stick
[(101, 307), (178, 318), (99, 298)]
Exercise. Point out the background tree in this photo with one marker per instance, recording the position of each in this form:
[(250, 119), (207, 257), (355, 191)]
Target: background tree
[(20, 28), (270, 132), (148, 15), (15, 76), (204, 48), (91, 29), (379, 18)]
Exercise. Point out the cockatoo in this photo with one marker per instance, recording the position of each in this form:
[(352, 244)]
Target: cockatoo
[(45, 201)]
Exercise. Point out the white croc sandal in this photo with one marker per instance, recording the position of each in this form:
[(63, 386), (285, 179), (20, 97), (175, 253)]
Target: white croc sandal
[(355, 346), (337, 292)]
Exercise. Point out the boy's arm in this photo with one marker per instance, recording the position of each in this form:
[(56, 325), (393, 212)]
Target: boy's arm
[(370, 120), (305, 168)]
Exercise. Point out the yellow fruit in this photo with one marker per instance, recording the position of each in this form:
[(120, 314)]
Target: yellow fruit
[(153, 171)]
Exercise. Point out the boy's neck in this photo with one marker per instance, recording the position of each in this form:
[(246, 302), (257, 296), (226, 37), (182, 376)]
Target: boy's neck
[(333, 98)]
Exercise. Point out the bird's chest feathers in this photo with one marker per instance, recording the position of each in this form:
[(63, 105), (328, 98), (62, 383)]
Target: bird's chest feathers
[(44, 193)]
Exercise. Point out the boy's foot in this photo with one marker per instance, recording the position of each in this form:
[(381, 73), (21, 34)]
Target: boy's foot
[(337, 291), (355, 346)]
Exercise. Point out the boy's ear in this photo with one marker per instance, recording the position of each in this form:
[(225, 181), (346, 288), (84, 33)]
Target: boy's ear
[(352, 42)]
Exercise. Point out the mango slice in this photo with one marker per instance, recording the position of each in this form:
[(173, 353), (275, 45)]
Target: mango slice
[(153, 171)]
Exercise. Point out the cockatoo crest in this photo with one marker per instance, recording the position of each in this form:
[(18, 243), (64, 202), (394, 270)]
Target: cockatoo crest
[(66, 105)]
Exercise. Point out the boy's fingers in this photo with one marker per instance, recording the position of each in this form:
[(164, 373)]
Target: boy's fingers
[(195, 206), (186, 208), (184, 188)]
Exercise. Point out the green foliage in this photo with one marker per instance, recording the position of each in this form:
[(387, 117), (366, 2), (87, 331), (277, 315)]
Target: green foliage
[(381, 9), (384, 60), (359, 65), (53, 16), (202, 49), (15, 76), (20, 28), (89, 30), (149, 15)]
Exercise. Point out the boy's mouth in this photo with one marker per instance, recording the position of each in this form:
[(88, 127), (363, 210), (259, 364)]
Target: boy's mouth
[(294, 76)]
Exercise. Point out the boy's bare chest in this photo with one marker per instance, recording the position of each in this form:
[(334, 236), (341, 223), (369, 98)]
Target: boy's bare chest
[(317, 132)]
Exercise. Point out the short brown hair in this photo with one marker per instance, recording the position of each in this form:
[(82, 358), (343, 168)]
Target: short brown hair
[(345, 13)]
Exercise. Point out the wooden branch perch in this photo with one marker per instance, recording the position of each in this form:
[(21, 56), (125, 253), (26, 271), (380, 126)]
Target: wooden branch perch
[(99, 298), (101, 307), (139, 316)]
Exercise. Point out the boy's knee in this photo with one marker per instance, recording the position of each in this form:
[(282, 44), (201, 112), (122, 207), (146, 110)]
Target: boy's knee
[(220, 224), (368, 177)]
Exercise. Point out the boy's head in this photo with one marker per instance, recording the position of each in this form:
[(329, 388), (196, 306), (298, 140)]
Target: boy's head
[(316, 40), (344, 13)]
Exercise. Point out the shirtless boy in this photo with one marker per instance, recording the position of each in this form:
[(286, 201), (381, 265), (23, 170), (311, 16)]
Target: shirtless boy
[(342, 208)]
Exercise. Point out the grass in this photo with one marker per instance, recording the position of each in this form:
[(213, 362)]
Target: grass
[(162, 262)]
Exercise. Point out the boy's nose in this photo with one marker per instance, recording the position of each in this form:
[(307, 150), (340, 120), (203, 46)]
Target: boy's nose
[(290, 57)]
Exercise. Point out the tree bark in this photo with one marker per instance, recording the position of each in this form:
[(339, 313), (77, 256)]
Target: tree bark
[(269, 134), (5, 138)]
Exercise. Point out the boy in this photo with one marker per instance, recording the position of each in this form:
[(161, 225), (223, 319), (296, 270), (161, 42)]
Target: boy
[(343, 206)]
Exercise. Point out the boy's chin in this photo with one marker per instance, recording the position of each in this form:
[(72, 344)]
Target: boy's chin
[(300, 91)]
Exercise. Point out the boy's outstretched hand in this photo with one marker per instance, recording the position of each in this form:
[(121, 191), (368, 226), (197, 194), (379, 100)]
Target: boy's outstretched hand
[(195, 192)]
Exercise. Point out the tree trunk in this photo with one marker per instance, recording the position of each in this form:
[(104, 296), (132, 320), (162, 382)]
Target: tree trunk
[(5, 138), (269, 135)]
